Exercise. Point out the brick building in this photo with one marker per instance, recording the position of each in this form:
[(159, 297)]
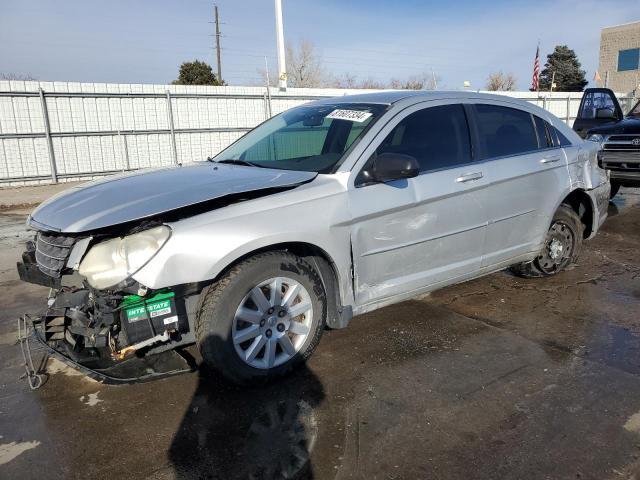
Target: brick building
[(620, 57)]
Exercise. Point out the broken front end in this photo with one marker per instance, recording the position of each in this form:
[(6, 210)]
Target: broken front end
[(97, 318)]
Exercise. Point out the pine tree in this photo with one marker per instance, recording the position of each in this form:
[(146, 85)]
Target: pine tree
[(569, 77), (197, 73)]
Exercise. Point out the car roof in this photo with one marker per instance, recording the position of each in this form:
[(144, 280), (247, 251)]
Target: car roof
[(410, 97), (389, 97)]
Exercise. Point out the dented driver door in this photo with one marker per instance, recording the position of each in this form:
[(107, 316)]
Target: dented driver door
[(413, 233)]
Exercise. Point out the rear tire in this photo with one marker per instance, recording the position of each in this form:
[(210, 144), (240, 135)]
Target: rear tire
[(261, 318), (615, 187), (561, 246)]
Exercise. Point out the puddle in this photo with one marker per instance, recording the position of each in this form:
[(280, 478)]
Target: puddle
[(615, 346)]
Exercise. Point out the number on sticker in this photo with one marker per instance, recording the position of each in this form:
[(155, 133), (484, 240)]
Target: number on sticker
[(350, 115)]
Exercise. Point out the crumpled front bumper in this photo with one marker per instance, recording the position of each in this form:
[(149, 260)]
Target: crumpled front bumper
[(131, 370)]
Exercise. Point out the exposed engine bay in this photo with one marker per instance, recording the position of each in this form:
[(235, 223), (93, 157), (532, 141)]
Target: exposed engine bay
[(102, 330), (98, 318), (102, 327)]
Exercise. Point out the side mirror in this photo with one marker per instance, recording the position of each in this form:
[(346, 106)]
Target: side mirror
[(393, 166), (605, 114)]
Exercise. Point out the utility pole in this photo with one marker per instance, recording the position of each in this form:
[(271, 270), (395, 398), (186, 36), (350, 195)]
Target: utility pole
[(282, 67), (217, 22)]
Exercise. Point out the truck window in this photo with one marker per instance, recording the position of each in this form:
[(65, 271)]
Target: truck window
[(593, 101)]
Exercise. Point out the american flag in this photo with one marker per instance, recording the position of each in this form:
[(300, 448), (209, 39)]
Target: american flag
[(536, 71)]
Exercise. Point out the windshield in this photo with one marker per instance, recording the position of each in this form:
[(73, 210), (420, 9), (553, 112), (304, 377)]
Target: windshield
[(311, 138), (635, 111)]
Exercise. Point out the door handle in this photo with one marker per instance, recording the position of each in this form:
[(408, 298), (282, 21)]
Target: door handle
[(469, 177), (550, 159)]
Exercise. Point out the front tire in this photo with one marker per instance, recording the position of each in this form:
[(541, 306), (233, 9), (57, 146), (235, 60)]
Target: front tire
[(561, 248), (261, 318)]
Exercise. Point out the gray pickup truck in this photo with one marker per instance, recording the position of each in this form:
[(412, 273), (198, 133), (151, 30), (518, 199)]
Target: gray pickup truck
[(601, 119)]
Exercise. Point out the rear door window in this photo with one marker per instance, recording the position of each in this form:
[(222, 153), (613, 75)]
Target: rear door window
[(560, 140), (437, 137), (505, 131), (543, 131), (548, 135)]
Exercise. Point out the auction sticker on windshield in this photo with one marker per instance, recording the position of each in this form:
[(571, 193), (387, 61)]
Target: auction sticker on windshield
[(351, 115)]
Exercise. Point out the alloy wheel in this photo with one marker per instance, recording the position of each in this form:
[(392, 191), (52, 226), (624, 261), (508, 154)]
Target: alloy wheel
[(272, 322)]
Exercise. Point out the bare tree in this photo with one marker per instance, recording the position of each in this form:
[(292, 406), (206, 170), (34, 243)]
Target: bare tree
[(346, 80), (372, 83), (17, 76), (422, 81), (304, 69), (499, 81), (273, 77), (398, 84), (304, 66)]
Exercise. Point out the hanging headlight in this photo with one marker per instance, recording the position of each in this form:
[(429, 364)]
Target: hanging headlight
[(112, 261)]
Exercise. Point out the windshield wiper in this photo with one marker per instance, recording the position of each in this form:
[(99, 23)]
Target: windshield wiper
[(233, 161)]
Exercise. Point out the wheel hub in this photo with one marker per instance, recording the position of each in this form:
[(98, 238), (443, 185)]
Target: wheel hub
[(279, 321), (272, 322), (555, 249), (558, 249)]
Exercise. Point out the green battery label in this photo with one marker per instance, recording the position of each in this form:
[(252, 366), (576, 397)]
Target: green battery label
[(154, 307)]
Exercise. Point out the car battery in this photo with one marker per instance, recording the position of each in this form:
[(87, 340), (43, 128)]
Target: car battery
[(144, 318)]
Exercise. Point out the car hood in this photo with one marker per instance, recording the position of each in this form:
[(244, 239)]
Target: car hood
[(142, 194), (629, 125)]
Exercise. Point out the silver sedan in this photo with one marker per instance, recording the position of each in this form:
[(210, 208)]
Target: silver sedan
[(326, 211)]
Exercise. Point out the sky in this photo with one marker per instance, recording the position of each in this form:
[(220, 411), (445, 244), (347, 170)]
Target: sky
[(145, 41)]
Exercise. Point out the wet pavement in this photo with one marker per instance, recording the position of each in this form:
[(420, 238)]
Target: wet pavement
[(496, 378)]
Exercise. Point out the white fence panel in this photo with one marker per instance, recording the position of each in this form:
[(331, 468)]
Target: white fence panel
[(101, 128)]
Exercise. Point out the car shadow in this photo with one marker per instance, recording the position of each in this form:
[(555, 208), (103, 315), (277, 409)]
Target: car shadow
[(612, 209), (231, 432)]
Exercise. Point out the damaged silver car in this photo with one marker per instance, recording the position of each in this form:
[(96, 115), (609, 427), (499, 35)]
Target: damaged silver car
[(326, 211)]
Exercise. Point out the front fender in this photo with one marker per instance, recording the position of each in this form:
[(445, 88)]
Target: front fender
[(202, 247)]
